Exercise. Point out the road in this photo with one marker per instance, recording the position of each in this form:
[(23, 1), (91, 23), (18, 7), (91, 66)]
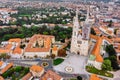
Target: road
[(28, 63)]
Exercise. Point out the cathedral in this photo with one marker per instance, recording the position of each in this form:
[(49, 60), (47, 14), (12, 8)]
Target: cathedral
[(80, 36)]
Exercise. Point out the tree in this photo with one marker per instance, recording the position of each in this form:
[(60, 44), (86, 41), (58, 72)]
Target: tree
[(18, 68), (53, 56), (62, 53), (93, 31), (4, 56), (114, 63), (109, 37), (1, 23), (35, 56), (110, 23), (115, 31), (110, 50), (45, 33), (22, 46), (79, 78), (106, 65)]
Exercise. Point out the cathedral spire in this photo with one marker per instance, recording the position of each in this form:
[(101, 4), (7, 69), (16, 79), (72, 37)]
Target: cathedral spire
[(80, 37), (87, 16), (77, 13), (76, 21)]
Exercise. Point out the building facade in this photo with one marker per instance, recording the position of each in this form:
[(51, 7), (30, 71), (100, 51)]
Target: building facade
[(80, 36)]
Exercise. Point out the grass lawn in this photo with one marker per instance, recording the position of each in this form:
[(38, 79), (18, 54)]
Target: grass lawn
[(15, 73), (92, 69), (57, 61)]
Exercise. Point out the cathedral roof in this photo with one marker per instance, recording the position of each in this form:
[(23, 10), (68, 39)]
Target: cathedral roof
[(96, 50)]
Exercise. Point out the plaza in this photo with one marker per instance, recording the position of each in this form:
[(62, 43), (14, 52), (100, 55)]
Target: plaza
[(73, 64)]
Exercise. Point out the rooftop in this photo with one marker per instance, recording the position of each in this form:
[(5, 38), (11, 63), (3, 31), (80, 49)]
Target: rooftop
[(96, 50), (94, 77), (27, 76), (50, 75), (42, 40), (6, 68), (36, 68), (17, 40)]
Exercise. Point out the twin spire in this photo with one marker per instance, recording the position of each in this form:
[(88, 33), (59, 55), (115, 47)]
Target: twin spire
[(87, 16), (77, 13)]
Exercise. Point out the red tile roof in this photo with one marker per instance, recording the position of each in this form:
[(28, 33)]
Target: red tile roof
[(1, 63), (27, 76), (47, 43), (1, 78), (18, 40), (96, 50), (6, 68), (51, 75), (6, 49), (17, 50), (94, 77), (36, 68)]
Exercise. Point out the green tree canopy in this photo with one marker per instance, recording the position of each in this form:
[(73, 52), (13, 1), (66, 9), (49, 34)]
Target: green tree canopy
[(110, 50), (106, 65), (79, 78), (114, 63), (93, 31)]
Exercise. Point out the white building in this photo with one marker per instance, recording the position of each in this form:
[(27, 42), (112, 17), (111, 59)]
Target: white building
[(80, 36)]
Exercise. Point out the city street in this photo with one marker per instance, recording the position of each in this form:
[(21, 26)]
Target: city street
[(29, 63)]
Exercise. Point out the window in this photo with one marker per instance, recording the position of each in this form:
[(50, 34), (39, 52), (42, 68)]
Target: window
[(78, 45), (79, 42)]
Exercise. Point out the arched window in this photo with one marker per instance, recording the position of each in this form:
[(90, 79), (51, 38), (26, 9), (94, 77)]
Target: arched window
[(78, 53)]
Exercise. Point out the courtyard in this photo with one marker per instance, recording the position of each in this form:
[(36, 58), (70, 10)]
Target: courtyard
[(73, 64)]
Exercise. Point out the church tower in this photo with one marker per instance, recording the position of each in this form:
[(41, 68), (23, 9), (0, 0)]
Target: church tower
[(80, 36)]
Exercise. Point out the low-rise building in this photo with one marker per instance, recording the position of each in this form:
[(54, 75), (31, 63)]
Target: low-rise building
[(16, 50), (95, 58), (98, 52), (4, 66), (28, 76), (37, 71), (39, 46), (55, 50), (50, 75)]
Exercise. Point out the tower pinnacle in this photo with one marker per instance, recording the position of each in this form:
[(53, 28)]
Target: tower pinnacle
[(87, 16), (77, 13)]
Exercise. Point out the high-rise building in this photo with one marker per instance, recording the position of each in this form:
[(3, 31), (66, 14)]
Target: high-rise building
[(80, 36)]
